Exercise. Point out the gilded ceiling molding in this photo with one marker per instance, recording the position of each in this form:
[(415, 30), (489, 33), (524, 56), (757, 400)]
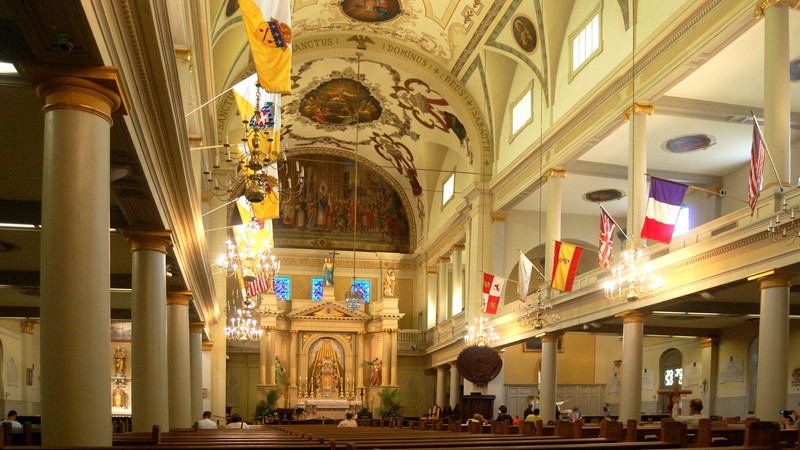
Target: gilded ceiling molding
[(638, 107), (764, 4)]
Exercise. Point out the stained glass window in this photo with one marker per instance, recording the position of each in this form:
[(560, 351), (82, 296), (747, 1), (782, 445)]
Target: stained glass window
[(316, 288), (283, 288), (363, 287)]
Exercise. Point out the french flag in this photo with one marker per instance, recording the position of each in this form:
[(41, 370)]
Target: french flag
[(663, 207)]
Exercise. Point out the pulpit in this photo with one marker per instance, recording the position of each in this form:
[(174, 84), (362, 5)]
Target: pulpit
[(477, 404)]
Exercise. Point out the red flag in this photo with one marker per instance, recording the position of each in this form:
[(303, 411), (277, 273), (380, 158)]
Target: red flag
[(492, 289), (606, 238), (757, 152), (565, 266)]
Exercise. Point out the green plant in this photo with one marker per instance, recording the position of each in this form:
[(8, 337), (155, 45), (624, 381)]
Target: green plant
[(299, 412), (267, 408), (390, 403)]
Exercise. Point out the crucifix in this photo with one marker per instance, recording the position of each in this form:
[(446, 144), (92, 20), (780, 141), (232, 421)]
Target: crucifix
[(670, 397)]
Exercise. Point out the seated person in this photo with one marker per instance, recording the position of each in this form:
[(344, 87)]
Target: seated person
[(516, 419), (790, 420), (12, 418), (207, 423), (504, 416), (348, 421), (236, 422), (534, 416), (574, 414), (477, 418), (695, 413)]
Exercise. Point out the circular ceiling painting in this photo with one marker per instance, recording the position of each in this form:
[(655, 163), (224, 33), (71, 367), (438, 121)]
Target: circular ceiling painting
[(688, 143), (341, 101), (371, 10), (794, 70), (524, 33), (603, 195)]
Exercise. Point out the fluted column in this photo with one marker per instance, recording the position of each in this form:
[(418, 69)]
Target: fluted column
[(359, 359), (75, 303), (547, 384), (553, 224), (773, 349), (432, 289), (440, 385), (294, 359), (196, 369), (149, 389), (387, 342), (454, 384), (637, 168), (777, 98), (632, 347), (442, 300), (180, 389), (458, 280), (393, 367)]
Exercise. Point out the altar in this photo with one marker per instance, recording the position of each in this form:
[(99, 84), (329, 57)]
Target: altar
[(329, 408)]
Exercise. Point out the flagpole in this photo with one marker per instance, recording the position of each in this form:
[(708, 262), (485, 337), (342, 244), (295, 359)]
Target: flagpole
[(707, 191), (766, 148), (206, 103), (621, 230)]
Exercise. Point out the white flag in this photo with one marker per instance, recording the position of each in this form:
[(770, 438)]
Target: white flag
[(525, 269)]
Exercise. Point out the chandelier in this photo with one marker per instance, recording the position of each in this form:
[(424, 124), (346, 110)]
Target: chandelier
[(248, 258), (243, 325), (538, 313), (632, 280), (354, 297), (480, 334), (786, 225)]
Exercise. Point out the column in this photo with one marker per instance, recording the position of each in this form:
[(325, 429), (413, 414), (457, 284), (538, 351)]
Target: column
[(196, 369), (777, 108), (637, 167), (458, 280), (393, 367), (440, 386), (773, 338), (75, 303), (553, 217), (499, 241), (432, 289), (455, 396), (359, 359), (479, 248), (710, 360), (547, 384), (293, 359), (386, 356), (266, 358), (632, 346), (179, 381), (149, 380), (29, 361), (442, 301)]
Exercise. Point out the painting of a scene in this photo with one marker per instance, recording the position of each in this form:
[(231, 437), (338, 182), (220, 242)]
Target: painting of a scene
[(326, 212), (341, 101), (371, 10), (524, 33)]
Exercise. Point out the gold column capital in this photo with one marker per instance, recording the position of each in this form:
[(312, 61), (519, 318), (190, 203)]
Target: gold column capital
[(180, 298), (432, 270), (555, 172), (458, 247), (632, 316), (764, 4), (708, 342), (197, 326), (441, 368), (638, 107), (551, 337), (453, 364), (26, 326), (773, 278), (443, 259), (153, 240), (498, 216), (208, 345)]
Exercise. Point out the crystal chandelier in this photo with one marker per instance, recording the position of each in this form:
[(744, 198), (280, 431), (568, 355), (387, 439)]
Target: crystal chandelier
[(632, 280), (243, 325), (480, 334), (786, 225), (248, 258), (354, 297), (538, 313)]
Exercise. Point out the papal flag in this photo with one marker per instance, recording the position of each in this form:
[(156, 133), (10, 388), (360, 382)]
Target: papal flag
[(266, 121), (269, 30), (257, 233), (525, 269), (565, 265), (267, 177)]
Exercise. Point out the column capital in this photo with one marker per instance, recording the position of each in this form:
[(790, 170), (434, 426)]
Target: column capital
[(95, 90), (441, 368), (764, 4), (709, 342), (631, 316), (551, 337), (153, 240), (555, 172), (638, 107), (458, 247), (180, 298), (453, 364), (498, 216), (294, 332), (197, 326), (773, 278), (432, 270), (26, 326), (208, 345), (443, 259)]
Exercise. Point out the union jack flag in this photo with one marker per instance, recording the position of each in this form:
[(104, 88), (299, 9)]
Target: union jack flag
[(606, 238)]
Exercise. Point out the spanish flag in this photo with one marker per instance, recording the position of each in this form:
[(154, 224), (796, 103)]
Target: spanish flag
[(266, 121), (269, 30), (567, 257)]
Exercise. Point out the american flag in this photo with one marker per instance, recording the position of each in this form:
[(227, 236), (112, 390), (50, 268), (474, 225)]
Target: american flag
[(757, 152), (606, 238)]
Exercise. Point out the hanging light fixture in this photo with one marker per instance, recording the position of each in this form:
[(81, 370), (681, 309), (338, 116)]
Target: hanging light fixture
[(353, 298), (480, 334), (538, 312), (243, 325), (632, 279), (786, 225)]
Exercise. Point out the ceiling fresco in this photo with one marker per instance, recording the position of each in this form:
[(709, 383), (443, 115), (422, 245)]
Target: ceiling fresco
[(371, 10)]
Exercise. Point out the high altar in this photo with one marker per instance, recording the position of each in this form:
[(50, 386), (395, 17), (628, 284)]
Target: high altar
[(324, 354)]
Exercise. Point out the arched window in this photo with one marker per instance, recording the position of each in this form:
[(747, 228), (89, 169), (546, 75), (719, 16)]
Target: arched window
[(670, 374)]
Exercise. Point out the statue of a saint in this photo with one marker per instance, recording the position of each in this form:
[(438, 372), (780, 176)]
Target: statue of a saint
[(119, 362), (388, 284), (327, 271), (377, 372), (279, 371)]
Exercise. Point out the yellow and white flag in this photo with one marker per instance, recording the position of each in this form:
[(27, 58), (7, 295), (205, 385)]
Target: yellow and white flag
[(246, 236), (266, 121), (269, 208), (269, 30)]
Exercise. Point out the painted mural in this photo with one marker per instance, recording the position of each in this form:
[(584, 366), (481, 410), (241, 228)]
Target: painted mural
[(690, 143), (371, 10), (341, 101), (328, 209), (524, 33)]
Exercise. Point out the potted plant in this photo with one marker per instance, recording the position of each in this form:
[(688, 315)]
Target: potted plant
[(299, 412), (266, 409), (390, 403)]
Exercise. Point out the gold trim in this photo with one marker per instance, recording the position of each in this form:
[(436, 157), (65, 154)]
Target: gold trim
[(761, 7), (498, 216), (459, 247), (180, 298), (551, 337), (631, 316), (153, 240), (197, 327), (432, 270), (78, 94), (104, 80), (555, 172), (208, 345), (183, 53), (637, 107), (443, 259), (708, 342), (26, 326)]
